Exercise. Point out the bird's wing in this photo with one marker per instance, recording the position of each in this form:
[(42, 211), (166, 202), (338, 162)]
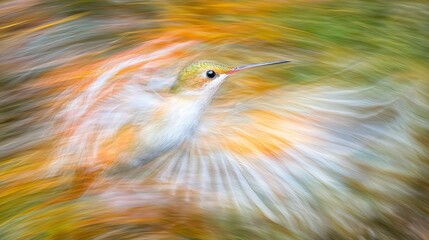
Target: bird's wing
[(291, 147), (106, 101)]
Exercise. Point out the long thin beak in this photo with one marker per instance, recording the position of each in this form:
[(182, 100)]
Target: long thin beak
[(239, 68)]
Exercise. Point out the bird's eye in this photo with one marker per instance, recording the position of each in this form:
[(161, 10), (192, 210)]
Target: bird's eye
[(211, 74)]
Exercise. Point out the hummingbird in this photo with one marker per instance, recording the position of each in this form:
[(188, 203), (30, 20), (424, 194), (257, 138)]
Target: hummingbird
[(172, 119), (305, 157)]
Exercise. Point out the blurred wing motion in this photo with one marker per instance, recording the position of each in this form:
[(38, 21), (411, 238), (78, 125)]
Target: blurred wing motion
[(112, 103), (298, 154)]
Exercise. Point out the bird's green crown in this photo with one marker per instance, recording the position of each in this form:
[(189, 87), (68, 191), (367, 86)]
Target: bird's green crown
[(194, 76)]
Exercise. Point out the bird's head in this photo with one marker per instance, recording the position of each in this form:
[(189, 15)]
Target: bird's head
[(207, 76)]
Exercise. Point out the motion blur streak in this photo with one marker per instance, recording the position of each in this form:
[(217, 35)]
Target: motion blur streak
[(95, 144)]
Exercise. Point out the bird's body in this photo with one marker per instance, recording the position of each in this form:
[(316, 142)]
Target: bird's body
[(173, 121)]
